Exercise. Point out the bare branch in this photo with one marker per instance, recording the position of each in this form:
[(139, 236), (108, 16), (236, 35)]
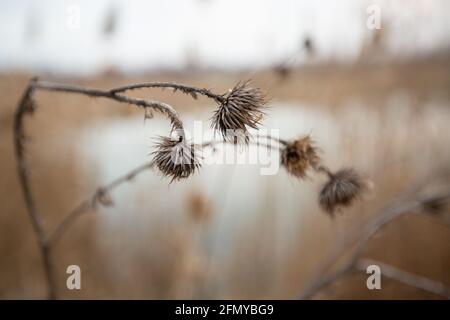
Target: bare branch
[(164, 108), (193, 91), (23, 171), (392, 212), (407, 278)]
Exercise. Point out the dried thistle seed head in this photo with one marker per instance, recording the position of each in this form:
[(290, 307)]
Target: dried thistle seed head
[(175, 158), (341, 190), (299, 155), (240, 109)]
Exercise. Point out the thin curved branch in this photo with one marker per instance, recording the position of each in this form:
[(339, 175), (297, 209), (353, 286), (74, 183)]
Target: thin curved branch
[(213, 143), (407, 278), (164, 108), (24, 108), (384, 217), (272, 138), (193, 91)]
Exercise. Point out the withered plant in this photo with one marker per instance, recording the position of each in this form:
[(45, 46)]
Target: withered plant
[(240, 109)]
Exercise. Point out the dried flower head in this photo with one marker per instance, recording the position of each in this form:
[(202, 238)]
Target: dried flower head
[(342, 189), (299, 155), (176, 159), (240, 109)]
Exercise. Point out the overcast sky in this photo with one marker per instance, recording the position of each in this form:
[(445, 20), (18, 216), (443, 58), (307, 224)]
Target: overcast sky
[(83, 37)]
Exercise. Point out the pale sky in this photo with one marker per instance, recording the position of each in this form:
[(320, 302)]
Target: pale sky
[(69, 36)]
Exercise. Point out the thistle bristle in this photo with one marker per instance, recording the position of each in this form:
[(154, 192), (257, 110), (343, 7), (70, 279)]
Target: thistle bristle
[(241, 109), (176, 159), (300, 155), (342, 189)]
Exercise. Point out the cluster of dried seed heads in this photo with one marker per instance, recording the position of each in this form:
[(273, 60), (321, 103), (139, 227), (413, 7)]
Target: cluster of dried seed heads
[(342, 188), (243, 108), (238, 110)]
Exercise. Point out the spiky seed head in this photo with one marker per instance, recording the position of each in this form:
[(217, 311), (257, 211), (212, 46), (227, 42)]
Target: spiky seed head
[(342, 189), (241, 108), (175, 158), (299, 155)]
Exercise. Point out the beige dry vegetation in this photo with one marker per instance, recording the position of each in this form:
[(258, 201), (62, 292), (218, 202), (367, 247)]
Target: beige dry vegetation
[(399, 142)]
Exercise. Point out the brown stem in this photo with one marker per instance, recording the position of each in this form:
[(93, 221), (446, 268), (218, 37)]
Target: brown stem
[(405, 277), (176, 86), (164, 108), (363, 235), (325, 170), (23, 172), (269, 137)]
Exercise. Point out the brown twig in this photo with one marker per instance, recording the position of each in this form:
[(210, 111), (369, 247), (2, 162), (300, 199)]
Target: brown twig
[(164, 108), (193, 91), (25, 107), (384, 217), (407, 278)]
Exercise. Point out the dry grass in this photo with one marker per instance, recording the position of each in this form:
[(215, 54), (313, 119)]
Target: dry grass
[(165, 253)]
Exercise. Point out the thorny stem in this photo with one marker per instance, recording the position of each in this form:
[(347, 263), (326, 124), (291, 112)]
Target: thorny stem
[(213, 143), (402, 276), (98, 196), (325, 170), (23, 171), (193, 91), (164, 108)]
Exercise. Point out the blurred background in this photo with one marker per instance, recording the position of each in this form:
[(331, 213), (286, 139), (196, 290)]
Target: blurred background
[(373, 98)]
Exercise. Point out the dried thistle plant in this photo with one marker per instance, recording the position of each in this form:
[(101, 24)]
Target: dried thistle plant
[(299, 156), (342, 189), (175, 158), (240, 109)]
